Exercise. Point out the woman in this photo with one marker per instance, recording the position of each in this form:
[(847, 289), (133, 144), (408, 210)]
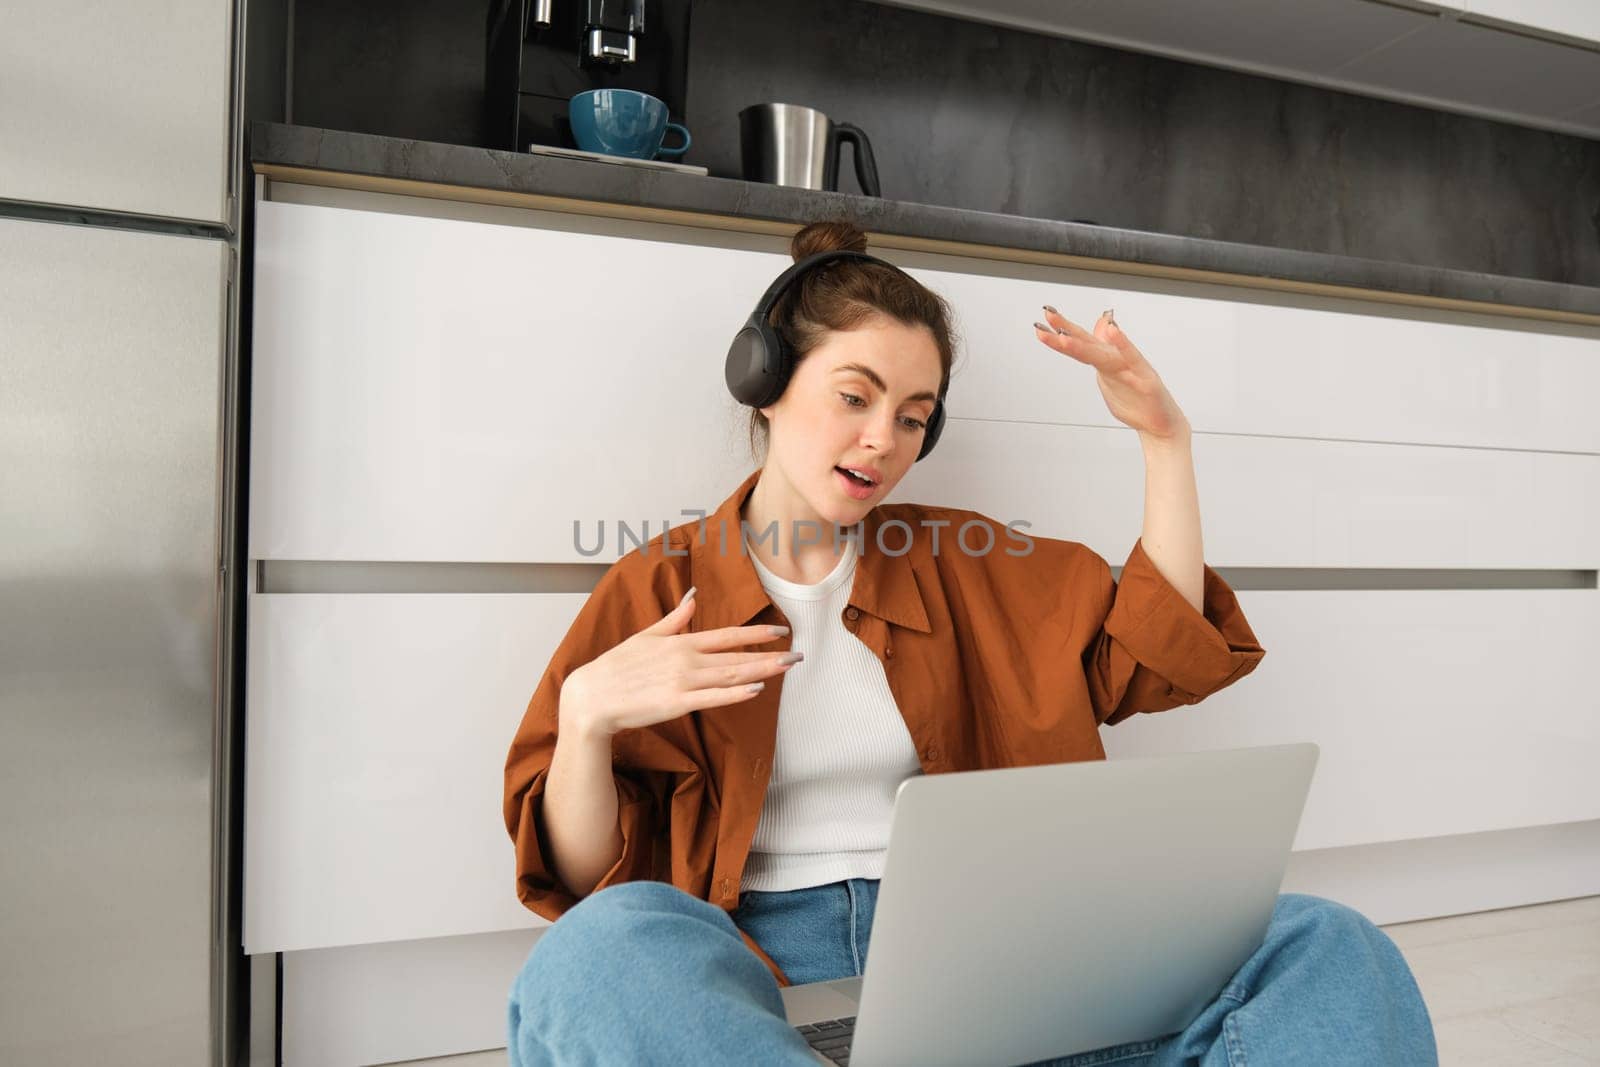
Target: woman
[(721, 848)]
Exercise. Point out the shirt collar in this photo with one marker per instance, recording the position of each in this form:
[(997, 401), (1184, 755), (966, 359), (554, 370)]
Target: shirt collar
[(730, 593)]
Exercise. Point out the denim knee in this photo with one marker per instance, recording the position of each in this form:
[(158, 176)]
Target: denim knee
[(1324, 917), (1337, 931), (599, 918)]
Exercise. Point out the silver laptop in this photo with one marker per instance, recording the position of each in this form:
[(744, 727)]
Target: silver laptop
[(1035, 912)]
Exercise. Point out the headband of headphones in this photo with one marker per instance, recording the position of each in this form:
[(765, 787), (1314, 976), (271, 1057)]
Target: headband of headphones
[(760, 362)]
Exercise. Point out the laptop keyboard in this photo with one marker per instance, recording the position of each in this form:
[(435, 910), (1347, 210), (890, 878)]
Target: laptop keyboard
[(831, 1038)]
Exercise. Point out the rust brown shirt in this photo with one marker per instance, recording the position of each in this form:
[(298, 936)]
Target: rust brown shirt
[(1010, 657)]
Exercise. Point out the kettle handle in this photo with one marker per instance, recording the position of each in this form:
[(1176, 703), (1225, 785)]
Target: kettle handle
[(866, 166)]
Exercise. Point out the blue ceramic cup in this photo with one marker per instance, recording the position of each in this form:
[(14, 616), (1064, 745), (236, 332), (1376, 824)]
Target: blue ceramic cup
[(622, 122)]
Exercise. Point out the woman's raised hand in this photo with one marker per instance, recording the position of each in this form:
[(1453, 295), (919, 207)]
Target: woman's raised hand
[(1133, 391), (662, 673)]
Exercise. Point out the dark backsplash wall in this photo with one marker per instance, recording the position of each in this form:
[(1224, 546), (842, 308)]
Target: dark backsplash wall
[(974, 116)]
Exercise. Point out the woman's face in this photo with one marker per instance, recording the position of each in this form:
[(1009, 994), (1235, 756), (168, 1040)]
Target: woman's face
[(860, 399)]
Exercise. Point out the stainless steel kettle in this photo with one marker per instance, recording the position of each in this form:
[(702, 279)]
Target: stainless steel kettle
[(787, 144)]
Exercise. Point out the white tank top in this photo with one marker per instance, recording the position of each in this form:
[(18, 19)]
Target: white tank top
[(843, 747)]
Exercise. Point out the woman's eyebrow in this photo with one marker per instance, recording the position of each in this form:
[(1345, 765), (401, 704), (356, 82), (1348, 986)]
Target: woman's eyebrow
[(872, 376)]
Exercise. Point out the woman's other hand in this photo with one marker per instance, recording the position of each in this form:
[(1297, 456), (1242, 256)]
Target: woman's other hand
[(663, 672)]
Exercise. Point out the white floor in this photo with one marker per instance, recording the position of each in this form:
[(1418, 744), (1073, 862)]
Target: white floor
[(1516, 986), (1521, 985)]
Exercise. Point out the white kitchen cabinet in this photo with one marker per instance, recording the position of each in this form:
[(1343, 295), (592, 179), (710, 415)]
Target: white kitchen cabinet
[(379, 725), (403, 411), (379, 722)]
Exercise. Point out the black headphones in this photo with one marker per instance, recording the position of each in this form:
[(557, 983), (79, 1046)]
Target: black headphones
[(760, 361)]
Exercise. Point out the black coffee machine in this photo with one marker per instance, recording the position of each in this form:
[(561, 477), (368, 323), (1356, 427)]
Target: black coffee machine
[(541, 53)]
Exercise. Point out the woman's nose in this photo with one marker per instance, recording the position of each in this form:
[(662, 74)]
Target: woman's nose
[(879, 432)]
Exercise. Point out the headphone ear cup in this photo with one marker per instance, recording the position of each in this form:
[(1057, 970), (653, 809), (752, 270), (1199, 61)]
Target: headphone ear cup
[(930, 436), (756, 369)]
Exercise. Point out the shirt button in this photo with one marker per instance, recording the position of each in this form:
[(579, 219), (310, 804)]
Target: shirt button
[(931, 754), (888, 652), (852, 614)]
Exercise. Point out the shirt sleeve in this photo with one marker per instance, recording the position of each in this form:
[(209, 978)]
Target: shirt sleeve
[(624, 602), (1154, 651)]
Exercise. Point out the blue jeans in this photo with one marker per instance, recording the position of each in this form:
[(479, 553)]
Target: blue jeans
[(644, 973)]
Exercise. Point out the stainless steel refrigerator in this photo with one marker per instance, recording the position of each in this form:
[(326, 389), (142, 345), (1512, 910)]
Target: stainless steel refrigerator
[(118, 405)]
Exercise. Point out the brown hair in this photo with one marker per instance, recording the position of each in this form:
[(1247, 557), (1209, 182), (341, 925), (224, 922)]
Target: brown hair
[(840, 295)]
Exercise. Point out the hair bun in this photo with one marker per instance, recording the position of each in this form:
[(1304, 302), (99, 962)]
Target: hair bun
[(827, 236)]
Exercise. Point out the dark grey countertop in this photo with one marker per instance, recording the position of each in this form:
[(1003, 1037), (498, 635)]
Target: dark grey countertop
[(276, 147)]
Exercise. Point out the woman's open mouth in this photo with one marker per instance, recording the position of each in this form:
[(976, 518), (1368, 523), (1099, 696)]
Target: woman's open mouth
[(857, 488)]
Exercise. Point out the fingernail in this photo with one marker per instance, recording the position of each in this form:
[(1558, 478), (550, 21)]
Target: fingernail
[(687, 595), (780, 631), (755, 687), (1041, 327), (791, 657), (1050, 309)]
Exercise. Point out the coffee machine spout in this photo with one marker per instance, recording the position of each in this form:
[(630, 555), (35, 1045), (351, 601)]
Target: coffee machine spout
[(612, 29)]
